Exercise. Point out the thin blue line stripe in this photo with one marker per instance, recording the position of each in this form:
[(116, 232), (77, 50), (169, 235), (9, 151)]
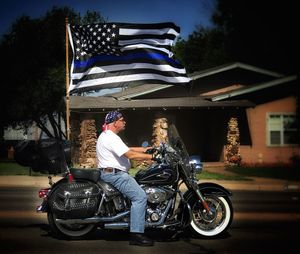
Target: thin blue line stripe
[(123, 58)]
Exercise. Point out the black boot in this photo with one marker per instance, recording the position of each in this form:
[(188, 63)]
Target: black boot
[(140, 239)]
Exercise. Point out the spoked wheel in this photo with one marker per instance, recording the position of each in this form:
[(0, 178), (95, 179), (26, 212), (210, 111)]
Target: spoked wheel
[(211, 223), (69, 231)]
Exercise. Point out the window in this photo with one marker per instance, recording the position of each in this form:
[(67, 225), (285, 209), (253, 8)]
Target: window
[(282, 129)]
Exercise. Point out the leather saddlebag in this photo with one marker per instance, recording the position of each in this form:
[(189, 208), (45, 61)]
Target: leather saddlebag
[(75, 200)]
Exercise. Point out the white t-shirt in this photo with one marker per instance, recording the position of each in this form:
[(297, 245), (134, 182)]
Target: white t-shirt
[(110, 151)]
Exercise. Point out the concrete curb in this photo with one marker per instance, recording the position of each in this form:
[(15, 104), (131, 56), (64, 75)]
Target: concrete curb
[(258, 184)]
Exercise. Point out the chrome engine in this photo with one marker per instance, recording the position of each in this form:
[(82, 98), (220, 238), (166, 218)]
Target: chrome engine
[(157, 198)]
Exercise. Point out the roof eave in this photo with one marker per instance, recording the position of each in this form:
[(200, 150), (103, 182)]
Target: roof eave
[(235, 65), (80, 103), (250, 89)]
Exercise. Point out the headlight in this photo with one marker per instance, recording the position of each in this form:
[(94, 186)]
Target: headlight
[(196, 163)]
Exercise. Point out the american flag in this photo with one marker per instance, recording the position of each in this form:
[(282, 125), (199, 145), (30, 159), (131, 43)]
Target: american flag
[(109, 55)]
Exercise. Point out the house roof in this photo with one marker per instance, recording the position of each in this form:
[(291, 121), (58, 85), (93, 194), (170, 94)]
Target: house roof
[(84, 103), (254, 88), (232, 66), (209, 79), (213, 87)]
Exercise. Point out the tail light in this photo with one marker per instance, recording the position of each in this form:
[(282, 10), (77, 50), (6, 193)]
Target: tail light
[(70, 177), (44, 192)]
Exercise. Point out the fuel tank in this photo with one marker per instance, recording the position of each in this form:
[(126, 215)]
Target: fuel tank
[(157, 174)]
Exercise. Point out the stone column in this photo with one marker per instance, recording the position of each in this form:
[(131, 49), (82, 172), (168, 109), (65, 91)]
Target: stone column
[(160, 131), (87, 139), (232, 149)]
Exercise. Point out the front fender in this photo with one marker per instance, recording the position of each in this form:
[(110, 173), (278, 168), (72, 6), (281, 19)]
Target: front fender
[(206, 189), (209, 189), (213, 189)]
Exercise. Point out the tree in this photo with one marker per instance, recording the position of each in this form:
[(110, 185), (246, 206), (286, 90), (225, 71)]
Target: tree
[(251, 31), (262, 33), (33, 76), (203, 49)]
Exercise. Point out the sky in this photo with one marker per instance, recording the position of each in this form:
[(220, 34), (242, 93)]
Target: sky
[(187, 14)]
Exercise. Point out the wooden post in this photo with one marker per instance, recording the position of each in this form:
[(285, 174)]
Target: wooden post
[(67, 83)]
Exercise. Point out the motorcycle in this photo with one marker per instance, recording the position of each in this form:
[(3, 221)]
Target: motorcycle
[(81, 202)]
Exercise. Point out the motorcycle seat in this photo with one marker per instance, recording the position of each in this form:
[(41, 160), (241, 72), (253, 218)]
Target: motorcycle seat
[(86, 174)]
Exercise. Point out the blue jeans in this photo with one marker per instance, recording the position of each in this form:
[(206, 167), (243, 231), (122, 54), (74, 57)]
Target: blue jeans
[(127, 185)]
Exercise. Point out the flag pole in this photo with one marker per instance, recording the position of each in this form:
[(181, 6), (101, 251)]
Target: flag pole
[(67, 83)]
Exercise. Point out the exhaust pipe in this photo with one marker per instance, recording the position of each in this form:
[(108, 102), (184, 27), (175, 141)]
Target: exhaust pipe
[(120, 225), (92, 220), (115, 225)]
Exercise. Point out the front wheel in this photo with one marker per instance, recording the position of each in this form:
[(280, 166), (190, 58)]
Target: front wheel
[(214, 223), (69, 231)]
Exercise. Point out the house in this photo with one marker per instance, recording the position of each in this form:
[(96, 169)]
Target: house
[(272, 122), (32, 133), (264, 103)]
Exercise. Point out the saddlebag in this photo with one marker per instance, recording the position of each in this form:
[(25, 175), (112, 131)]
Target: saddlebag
[(75, 200)]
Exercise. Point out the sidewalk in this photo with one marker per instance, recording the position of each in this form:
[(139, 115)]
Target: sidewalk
[(257, 184)]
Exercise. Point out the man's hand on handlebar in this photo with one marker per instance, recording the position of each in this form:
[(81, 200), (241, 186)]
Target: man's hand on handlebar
[(157, 156), (151, 150)]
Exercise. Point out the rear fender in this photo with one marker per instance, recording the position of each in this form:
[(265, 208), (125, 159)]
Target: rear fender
[(56, 185), (44, 207)]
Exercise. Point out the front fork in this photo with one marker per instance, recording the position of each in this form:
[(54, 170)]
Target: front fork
[(201, 198)]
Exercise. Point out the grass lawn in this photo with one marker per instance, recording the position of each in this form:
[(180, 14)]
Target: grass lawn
[(216, 176), (284, 173), (241, 173), (209, 175), (12, 168)]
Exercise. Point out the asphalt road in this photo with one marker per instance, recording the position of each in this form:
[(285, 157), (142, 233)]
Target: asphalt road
[(264, 222)]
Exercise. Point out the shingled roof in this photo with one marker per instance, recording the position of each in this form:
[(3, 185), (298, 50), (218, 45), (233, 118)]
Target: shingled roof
[(83, 103)]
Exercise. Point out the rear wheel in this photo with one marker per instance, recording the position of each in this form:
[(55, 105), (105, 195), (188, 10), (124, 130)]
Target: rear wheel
[(215, 222), (69, 231)]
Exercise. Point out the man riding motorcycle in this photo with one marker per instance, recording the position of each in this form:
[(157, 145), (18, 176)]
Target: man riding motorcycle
[(114, 162), (82, 201)]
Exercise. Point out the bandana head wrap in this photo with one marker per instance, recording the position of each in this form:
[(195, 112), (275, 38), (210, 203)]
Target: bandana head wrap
[(112, 116)]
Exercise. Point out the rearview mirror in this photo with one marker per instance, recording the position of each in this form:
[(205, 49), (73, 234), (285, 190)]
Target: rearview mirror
[(145, 144)]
